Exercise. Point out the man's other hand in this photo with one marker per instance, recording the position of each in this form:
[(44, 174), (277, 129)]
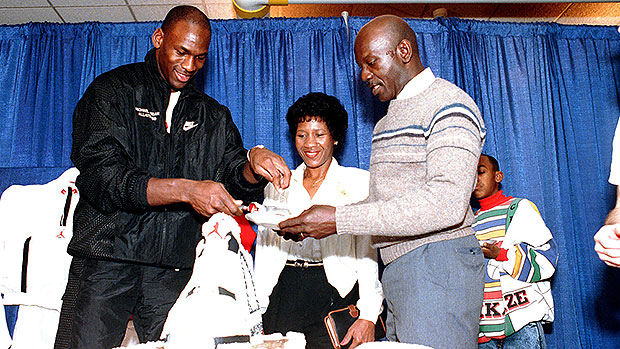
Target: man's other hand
[(317, 222), (271, 166), (607, 244)]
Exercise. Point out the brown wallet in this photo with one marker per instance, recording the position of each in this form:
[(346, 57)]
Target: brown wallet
[(338, 322)]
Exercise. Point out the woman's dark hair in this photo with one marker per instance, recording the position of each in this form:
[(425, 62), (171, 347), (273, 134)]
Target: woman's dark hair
[(327, 108)]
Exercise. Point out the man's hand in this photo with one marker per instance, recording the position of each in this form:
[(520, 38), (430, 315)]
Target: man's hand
[(317, 222), (206, 197), (209, 198), (362, 331), (290, 236), (607, 244), (267, 164), (490, 250)]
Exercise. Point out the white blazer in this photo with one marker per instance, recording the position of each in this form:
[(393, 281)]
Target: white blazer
[(346, 258)]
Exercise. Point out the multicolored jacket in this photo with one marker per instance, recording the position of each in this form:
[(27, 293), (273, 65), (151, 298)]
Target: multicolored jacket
[(517, 289)]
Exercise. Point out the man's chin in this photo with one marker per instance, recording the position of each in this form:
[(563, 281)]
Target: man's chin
[(178, 85), (382, 95), (383, 98)]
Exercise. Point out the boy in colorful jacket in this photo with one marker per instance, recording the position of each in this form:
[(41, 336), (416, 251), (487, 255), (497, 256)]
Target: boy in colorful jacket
[(520, 258)]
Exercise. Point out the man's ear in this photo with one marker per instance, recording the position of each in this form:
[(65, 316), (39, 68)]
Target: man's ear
[(499, 176), (158, 37), (404, 51)]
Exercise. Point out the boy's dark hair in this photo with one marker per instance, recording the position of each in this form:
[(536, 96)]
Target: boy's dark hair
[(493, 162)]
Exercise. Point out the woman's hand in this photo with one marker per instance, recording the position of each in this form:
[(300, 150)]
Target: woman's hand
[(361, 331)]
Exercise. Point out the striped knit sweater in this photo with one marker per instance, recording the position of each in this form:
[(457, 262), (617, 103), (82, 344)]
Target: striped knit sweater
[(516, 290), (422, 171)]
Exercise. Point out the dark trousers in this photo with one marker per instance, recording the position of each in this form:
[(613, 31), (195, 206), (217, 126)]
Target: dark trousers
[(63, 334), (299, 302), (105, 294)]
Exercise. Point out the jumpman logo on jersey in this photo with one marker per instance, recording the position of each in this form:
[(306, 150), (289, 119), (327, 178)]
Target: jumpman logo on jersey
[(214, 231)]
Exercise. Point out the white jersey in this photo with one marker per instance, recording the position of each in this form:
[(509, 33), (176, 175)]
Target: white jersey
[(35, 228)]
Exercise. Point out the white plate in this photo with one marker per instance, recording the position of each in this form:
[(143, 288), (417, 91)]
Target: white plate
[(266, 219)]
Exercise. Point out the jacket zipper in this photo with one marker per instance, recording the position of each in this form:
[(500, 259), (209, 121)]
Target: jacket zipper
[(168, 162)]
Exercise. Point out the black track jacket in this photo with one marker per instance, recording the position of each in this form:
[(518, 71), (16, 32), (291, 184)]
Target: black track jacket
[(120, 141)]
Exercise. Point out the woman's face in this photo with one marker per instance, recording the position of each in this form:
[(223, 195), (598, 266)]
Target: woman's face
[(314, 142)]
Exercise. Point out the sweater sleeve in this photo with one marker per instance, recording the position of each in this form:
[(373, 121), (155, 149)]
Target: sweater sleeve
[(108, 178), (454, 139), (532, 252)]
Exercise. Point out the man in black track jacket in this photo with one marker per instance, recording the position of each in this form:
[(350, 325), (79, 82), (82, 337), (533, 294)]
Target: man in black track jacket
[(157, 157)]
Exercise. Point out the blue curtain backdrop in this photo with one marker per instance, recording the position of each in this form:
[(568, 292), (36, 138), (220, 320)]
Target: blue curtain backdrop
[(548, 94)]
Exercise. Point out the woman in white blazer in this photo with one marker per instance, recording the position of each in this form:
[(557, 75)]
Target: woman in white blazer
[(299, 282)]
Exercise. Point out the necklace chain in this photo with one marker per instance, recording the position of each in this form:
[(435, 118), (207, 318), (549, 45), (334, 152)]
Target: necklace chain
[(316, 182)]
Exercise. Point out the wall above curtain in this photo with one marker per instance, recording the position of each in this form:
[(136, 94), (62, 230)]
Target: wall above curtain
[(77, 11), (547, 92)]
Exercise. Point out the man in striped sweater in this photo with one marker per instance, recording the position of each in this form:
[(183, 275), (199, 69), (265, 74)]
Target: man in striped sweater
[(422, 170), (521, 256)]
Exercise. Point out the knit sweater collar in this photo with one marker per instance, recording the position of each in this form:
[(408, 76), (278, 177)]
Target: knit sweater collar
[(491, 201)]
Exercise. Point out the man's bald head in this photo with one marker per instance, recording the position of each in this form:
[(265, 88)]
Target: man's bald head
[(394, 28), (387, 52)]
